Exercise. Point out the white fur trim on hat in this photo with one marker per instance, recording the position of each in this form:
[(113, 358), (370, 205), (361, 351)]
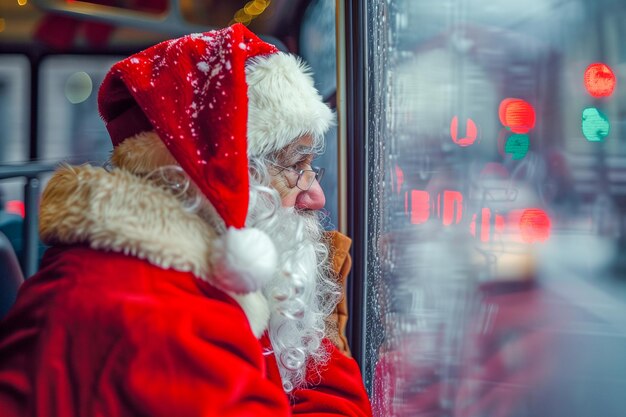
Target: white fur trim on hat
[(283, 103), (243, 260)]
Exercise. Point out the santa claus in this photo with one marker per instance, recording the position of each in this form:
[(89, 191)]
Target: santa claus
[(190, 277)]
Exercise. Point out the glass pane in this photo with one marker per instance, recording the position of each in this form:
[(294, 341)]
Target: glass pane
[(318, 47), (70, 127), (15, 107), (14, 139), (497, 180)]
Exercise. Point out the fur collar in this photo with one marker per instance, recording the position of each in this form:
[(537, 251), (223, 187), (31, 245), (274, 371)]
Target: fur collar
[(123, 212)]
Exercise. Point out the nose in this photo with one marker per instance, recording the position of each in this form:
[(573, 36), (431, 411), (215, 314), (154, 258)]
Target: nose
[(312, 199)]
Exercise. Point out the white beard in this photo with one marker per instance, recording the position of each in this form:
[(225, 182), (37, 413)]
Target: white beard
[(300, 296), (302, 293)]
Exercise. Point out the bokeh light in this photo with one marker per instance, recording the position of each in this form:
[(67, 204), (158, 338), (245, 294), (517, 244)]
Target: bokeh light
[(450, 207), (399, 176), (595, 125), (15, 207), (534, 225), (250, 11), (599, 80), (517, 145), (487, 224), (418, 205), (471, 132), (78, 87), (516, 114)]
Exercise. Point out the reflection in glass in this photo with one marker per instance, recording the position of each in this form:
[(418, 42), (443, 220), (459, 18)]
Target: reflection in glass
[(497, 179)]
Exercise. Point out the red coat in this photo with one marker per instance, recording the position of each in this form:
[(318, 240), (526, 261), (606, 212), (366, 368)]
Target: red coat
[(97, 333)]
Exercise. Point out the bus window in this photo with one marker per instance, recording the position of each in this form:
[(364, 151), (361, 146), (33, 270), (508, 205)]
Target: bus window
[(14, 102), (70, 128), (318, 48), (495, 282), (14, 139)]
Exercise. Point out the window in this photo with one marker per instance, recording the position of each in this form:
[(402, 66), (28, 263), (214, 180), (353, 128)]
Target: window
[(70, 128), (318, 48), (497, 200)]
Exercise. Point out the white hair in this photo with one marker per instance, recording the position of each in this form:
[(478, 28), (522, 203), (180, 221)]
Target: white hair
[(303, 292)]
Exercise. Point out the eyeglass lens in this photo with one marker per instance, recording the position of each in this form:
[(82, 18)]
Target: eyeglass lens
[(306, 178)]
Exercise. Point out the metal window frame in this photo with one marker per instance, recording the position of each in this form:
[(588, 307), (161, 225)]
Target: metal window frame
[(352, 104)]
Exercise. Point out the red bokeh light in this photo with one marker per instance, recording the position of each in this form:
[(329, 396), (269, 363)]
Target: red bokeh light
[(517, 114), (599, 80), (399, 179), (534, 225), (471, 132), (15, 207), (486, 221), (418, 205), (450, 210)]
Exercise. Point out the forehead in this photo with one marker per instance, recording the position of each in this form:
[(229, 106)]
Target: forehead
[(301, 146)]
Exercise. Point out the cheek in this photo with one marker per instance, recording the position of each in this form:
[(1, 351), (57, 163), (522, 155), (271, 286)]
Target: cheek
[(287, 195)]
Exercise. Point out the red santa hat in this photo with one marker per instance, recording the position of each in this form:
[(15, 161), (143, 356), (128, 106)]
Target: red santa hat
[(214, 98)]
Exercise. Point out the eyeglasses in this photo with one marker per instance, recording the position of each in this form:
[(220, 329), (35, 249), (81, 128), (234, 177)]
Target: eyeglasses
[(301, 178)]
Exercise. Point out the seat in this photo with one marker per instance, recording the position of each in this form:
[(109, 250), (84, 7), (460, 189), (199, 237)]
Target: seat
[(11, 276)]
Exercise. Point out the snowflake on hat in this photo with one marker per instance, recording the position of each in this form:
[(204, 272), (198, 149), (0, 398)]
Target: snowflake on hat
[(192, 91)]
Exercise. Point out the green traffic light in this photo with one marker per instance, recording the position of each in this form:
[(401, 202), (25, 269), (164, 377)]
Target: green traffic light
[(595, 125), (517, 145)]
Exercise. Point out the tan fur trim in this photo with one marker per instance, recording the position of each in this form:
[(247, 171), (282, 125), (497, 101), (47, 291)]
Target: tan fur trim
[(257, 310), (142, 154), (121, 212)]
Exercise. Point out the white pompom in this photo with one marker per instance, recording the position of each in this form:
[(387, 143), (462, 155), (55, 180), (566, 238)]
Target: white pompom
[(243, 260)]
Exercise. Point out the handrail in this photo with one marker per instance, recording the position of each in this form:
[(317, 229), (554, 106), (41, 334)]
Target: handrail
[(31, 171), (28, 170), (170, 22)]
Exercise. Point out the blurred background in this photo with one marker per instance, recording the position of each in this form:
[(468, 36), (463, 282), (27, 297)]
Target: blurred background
[(496, 275), (479, 164)]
